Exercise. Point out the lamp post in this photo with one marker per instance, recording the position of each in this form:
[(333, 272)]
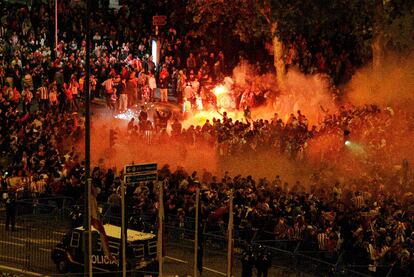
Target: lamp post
[(88, 183)]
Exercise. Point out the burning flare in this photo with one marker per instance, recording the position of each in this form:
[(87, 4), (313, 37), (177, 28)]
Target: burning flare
[(220, 90)]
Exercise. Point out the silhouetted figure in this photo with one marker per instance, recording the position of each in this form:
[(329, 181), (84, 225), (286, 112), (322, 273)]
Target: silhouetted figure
[(263, 262), (11, 210), (248, 261)]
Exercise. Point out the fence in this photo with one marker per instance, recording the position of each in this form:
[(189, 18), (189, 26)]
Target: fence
[(55, 206), (42, 224), (29, 248), (289, 256), (30, 245)]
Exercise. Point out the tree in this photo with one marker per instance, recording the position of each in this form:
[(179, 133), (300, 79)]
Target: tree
[(358, 27), (249, 19), (392, 27), (277, 21)]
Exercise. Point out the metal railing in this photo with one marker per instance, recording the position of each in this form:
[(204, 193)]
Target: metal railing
[(30, 246), (45, 206)]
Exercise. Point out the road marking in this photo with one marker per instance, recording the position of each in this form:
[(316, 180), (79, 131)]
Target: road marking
[(17, 226), (176, 260), (45, 249), (21, 271), (14, 258), (37, 241), (12, 243), (204, 267), (21, 227), (214, 271)]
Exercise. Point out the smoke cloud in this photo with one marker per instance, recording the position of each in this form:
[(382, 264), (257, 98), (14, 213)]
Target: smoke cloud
[(390, 85), (394, 85), (308, 93)]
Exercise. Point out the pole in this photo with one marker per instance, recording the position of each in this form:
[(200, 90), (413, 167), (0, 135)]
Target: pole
[(123, 231), (90, 266), (56, 26), (196, 231), (230, 237), (87, 222), (160, 229)]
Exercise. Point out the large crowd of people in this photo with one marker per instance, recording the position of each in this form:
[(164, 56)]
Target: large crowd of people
[(123, 70), (370, 222), (41, 123)]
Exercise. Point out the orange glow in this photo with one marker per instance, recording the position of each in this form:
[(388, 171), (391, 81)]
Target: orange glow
[(199, 118), (224, 98), (220, 90)]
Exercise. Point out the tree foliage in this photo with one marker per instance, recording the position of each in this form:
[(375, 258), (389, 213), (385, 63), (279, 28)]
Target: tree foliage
[(253, 18), (341, 22)]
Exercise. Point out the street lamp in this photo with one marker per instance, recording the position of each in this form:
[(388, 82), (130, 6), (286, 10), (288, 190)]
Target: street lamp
[(87, 190)]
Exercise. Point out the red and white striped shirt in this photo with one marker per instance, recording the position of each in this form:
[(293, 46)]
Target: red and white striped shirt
[(322, 241)]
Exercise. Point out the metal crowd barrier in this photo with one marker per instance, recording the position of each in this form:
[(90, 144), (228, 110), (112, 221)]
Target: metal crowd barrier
[(37, 234), (44, 206), (29, 246)]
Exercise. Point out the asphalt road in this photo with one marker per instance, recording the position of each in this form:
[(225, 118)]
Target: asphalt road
[(29, 248)]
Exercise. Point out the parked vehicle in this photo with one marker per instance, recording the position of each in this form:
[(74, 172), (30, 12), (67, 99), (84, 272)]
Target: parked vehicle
[(141, 251)]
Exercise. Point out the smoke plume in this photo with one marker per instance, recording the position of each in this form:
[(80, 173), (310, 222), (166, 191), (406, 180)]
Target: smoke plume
[(392, 84)]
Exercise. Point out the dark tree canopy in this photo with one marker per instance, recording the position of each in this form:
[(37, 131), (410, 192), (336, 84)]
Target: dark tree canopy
[(348, 25)]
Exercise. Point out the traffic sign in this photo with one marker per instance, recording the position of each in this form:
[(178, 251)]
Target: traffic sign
[(140, 168), (132, 179), (135, 173), (159, 20)]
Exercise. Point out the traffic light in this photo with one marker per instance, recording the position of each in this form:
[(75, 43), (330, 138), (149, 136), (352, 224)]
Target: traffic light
[(112, 137), (347, 134)]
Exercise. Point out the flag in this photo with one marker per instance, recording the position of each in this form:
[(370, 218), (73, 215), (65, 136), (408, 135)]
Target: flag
[(97, 224), (200, 235), (217, 214)]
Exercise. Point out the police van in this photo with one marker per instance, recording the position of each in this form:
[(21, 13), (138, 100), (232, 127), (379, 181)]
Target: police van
[(141, 251)]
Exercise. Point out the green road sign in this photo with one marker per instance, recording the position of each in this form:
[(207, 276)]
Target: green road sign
[(140, 168), (132, 179)]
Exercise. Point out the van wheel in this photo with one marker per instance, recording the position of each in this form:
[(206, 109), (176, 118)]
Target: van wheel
[(62, 266)]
